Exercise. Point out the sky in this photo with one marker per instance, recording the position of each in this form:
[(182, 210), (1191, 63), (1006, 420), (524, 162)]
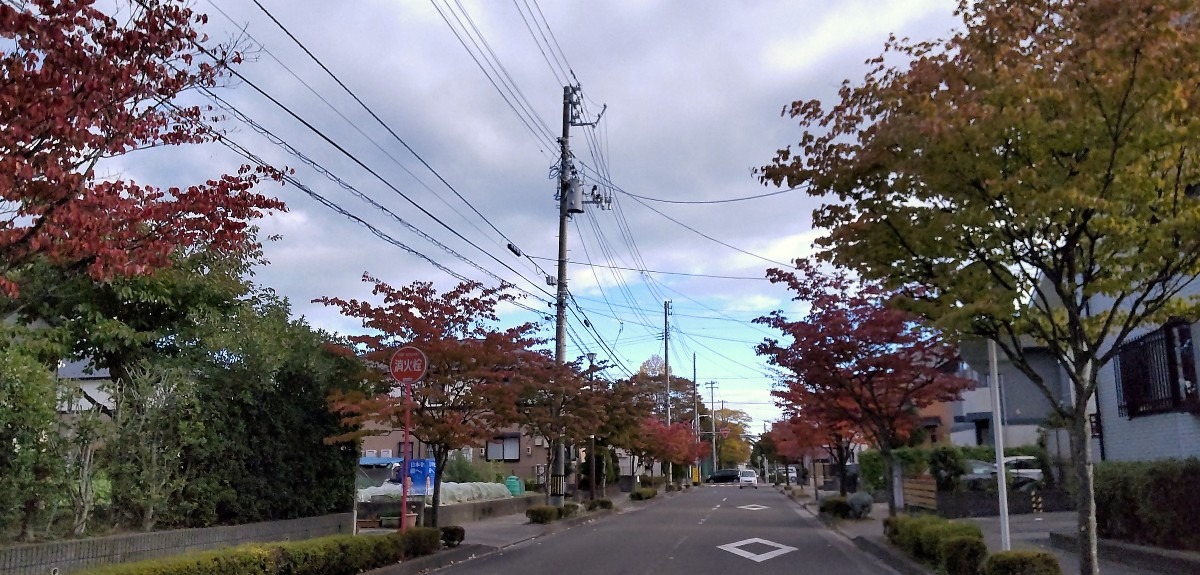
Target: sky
[(457, 162)]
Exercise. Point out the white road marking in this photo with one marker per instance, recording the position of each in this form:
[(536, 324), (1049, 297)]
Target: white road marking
[(753, 507), (736, 549)]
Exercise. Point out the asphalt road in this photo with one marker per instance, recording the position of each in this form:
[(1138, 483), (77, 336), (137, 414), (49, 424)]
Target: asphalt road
[(722, 530)]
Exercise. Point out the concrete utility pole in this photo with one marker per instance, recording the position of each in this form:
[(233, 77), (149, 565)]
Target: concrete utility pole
[(712, 419), (696, 419), (558, 475), (569, 202), (667, 369)]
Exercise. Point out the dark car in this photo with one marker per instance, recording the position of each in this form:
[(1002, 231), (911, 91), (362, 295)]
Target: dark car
[(723, 476)]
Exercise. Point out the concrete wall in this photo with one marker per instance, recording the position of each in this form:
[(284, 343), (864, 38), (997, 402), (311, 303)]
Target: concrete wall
[(66, 556), (464, 512)]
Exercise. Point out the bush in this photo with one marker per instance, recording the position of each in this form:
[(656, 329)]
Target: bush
[(860, 505), (569, 509), (947, 466), (908, 533), (871, 470), (422, 540), (932, 535), (643, 493), (962, 555), (835, 507), (605, 503), (452, 535), (336, 555), (1022, 563), (532, 486), (593, 504), (542, 514), (1151, 503)]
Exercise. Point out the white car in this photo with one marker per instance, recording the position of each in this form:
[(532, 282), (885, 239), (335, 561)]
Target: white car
[(1024, 468), (747, 477)]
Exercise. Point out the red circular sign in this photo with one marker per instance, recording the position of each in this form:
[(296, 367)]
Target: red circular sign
[(408, 364)]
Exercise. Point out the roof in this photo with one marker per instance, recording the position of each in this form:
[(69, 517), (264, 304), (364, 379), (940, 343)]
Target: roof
[(81, 370)]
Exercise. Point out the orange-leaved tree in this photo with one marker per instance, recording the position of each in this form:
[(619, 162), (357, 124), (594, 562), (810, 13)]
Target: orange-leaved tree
[(857, 360), (81, 87), (466, 394)]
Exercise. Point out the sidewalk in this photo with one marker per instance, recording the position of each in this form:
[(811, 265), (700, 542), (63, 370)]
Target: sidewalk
[(1027, 531), (490, 535)]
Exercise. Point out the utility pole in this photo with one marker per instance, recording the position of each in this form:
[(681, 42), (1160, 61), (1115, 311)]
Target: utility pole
[(570, 201), (696, 420), (667, 370), (712, 419)]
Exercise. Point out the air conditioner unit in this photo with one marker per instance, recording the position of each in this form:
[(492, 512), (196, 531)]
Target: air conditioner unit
[(371, 453), (385, 453), (483, 451), (537, 440)]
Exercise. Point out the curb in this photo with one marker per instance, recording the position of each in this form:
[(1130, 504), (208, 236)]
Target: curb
[(884, 552), (1138, 556)]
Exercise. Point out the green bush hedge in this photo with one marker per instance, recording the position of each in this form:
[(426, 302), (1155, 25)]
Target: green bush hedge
[(542, 514), (835, 507), (922, 536), (605, 503), (643, 493), (962, 555), (336, 555), (569, 509), (1022, 563), (452, 535), (1151, 503)]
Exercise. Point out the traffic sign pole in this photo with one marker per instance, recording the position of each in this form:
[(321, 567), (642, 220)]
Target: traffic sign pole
[(407, 365)]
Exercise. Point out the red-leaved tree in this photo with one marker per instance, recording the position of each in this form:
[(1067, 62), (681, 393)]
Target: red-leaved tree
[(857, 360), (466, 395), (80, 86)]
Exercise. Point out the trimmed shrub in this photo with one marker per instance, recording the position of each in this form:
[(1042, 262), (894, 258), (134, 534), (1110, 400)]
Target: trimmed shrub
[(891, 527), (569, 509), (962, 555), (909, 532), (335, 555), (542, 514), (452, 535), (422, 540), (1022, 563), (593, 504), (605, 503), (932, 535), (1152, 503), (871, 470), (643, 493), (835, 507), (860, 505), (947, 465)]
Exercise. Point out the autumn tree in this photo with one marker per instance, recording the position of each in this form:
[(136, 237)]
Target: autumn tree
[(732, 449), (857, 361), (466, 394), (1044, 153), (81, 87), (556, 401)]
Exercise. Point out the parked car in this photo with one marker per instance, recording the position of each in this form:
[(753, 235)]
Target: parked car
[(1024, 469), (748, 477), (723, 476), (979, 476)]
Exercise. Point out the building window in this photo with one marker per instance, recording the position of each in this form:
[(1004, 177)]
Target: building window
[(504, 448), (1156, 373)]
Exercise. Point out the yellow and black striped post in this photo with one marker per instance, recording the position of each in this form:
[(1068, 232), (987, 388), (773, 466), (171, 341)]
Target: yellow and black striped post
[(1036, 499)]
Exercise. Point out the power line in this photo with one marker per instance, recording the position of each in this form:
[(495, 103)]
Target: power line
[(742, 199), (656, 271)]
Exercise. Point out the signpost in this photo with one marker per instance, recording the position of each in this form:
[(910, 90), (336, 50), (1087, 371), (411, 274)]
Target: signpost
[(408, 365)]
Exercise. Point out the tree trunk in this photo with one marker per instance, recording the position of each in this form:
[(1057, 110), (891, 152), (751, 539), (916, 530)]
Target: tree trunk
[(1085, 503), (889, 479), (440, 454)]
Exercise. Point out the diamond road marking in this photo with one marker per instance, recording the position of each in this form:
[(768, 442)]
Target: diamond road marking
[(753, 507), (759, 558)]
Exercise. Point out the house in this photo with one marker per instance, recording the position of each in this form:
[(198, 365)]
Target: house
[(1025, 409)]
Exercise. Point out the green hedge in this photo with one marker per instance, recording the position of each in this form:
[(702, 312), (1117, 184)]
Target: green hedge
[(542, 514), (923, 537), (643, 493), (1022, 563), (1151, 503), (962, 554), (569, 509), (452, 535), (835, 506), (336, 555)]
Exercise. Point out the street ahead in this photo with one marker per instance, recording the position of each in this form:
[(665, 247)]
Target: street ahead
[(711, 530)]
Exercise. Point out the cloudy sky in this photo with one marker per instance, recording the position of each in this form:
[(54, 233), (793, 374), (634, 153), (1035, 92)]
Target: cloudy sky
[(470, 101)]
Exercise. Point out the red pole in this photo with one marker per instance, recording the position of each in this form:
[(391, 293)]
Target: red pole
[(407, 454)]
